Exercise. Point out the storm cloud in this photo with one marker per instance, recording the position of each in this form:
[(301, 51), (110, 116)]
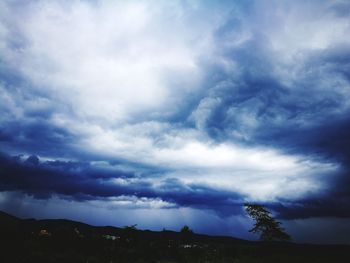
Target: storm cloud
[(178, 105)]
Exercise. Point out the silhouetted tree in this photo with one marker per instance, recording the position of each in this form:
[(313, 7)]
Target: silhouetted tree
[(186, 234), (265, 224)]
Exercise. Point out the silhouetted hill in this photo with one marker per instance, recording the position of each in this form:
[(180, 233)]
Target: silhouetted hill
[(7, 219), (60, 226), (8, 223), (61, 240)]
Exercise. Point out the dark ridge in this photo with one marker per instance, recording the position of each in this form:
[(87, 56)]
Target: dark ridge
[(61, 240), (65, 226)]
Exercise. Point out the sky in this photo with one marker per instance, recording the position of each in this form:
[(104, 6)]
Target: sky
[(171, 113)]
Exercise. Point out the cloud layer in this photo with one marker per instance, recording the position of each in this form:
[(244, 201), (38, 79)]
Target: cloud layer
[(181, 105)]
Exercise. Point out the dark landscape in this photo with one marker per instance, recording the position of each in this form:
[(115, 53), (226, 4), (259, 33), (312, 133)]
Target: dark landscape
[(59, 240)]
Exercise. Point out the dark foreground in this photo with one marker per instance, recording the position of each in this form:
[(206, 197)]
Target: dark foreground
[(61, 241)]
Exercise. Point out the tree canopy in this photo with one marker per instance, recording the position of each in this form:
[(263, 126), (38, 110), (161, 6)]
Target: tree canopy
[(265, 224), (186, 234)]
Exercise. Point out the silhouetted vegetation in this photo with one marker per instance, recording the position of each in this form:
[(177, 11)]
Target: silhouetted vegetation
[(186, 234), (268, 228), (29, 241)]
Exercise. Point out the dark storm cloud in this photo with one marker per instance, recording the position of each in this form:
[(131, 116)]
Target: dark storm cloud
[(26, 121), (281, 112), (329, 206), (56, 177), (201, 196), (255, 106), (36, 135), (308, 115), (81, 181)]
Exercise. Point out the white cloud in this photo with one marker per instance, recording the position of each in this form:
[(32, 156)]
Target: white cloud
[(296, 34), (111, 62), (258, 173)]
